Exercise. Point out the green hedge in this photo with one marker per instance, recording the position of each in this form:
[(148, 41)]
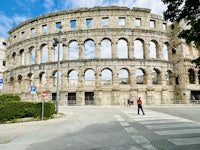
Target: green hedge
[(16, 109), (9, 97)]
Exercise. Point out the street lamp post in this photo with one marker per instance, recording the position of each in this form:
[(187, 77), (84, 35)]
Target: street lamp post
[(58, 42)]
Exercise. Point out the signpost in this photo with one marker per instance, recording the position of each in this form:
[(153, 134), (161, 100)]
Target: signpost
[(43, 98)]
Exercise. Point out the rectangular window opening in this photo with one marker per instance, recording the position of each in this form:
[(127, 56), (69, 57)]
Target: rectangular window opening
[(105, 21), (58, 25), (138, 22), (44, 28), (89, 22), (152, 23), (72, 24), (122, 21)]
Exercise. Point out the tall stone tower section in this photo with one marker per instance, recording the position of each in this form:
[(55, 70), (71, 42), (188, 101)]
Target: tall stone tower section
[(187, 75)]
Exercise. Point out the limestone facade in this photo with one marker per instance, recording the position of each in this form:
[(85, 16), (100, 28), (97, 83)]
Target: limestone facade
[(108, 54)]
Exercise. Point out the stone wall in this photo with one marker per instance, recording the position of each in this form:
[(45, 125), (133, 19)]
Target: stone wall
[(137, 43)]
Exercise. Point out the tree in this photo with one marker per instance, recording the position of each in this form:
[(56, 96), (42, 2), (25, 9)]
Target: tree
[(189, 11)]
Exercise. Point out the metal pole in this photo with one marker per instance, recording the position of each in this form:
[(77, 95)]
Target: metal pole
[(58, 70)]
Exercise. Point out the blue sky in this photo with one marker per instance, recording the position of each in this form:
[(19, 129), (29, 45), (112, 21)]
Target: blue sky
[(14, 12)]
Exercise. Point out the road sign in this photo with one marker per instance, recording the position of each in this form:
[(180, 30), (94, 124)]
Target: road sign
[(33, 89), (1, 81), (44, 94)]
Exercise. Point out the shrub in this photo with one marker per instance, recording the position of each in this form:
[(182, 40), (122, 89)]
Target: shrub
[(16, 109), (9, 97)]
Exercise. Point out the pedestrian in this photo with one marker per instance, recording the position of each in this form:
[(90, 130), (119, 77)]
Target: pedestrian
[(139, 103)]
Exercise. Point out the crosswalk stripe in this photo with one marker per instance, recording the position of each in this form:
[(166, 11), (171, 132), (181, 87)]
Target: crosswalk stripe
[(164, 121), (124, 123), (139, 139), (185, 141), (130, 130), (153, 118), (176, 132), (162, 126)]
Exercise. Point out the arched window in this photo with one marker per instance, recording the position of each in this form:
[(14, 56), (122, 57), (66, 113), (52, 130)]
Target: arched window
[(138, 49), (123, 76), (73, 50), (55, 78), (106, 50), (165, 52), (32, 56), (169, 77), (43, 78), (61, 52), (156, 76), (191, 76), (139, 74), (73, 77), (89, 75), (199, 76), (30, 78), (122, 49), (19, 78), (152, 49), (106, 76), (22, 54), (44, 53), (89, 50)]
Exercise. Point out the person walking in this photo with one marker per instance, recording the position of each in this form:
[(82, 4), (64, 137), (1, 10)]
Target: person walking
[(139, 103)]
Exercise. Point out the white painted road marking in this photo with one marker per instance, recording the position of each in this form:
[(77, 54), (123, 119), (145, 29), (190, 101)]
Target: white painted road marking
[(175, 132), (185, 141)]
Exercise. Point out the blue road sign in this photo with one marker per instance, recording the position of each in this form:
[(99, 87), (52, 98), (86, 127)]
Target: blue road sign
[(1, 81), (33, 89)]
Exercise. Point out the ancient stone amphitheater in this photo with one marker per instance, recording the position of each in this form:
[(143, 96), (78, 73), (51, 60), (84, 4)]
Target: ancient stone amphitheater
[(106, 55)]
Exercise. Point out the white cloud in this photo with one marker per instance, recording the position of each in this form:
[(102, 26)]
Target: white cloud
[(19, 19), (156, 6), (5, 25), (49, 5)]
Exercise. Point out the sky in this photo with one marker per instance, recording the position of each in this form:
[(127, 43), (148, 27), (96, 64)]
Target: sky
[(14, 12)]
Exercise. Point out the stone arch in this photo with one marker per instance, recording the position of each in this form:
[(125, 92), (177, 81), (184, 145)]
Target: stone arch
[(89, 49), (156, 76), (122, 48), (22, 55), (73, 50), (106, 48), (73, 74), (124, 75), (191, 76), (54, 75), (106, 76), (140, 75), (89, 74), (139, 48), (43, 78), (19, 78), (153, 49), (165, 51), (44, 53), (169, 77), (32, 55)]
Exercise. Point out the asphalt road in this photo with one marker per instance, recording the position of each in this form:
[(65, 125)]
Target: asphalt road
[(108, 128)]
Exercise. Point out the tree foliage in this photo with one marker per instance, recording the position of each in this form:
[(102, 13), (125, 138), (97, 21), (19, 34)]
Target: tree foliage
[(189, 11)]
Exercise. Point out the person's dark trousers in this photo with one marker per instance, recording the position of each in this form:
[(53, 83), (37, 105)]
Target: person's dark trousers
[(140, 107)]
